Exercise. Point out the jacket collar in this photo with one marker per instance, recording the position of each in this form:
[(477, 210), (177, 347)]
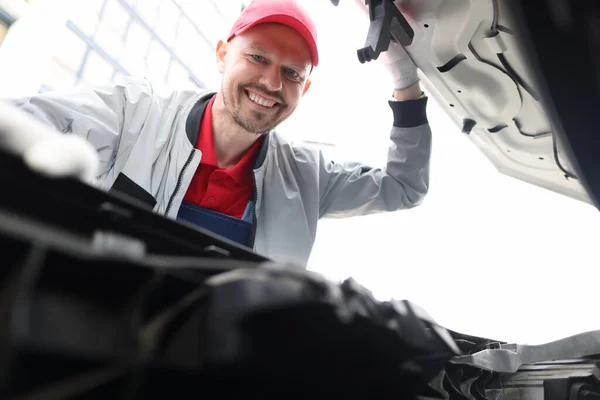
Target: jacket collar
[(192, 127)]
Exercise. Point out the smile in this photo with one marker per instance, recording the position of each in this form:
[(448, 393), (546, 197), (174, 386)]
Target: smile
[(261, 101)]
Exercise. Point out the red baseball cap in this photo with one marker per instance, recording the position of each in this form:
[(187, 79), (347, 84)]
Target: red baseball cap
[(285, 12)]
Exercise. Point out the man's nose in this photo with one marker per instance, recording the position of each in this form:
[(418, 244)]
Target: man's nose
[(271, 78)]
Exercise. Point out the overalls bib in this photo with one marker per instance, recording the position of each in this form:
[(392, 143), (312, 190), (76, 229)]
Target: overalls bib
[(237, 230)]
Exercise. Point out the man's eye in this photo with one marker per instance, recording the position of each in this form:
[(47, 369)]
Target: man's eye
[(291, 73), (258, 58)]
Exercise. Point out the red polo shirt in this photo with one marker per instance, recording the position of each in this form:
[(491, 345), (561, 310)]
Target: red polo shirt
[(223, 190)]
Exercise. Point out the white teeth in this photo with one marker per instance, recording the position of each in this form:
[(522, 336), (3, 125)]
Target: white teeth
[(261, 100)]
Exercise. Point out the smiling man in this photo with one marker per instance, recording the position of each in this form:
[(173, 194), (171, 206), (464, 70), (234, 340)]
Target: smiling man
[(214, 159)]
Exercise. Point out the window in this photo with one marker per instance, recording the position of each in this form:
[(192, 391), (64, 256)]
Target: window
[(148, 10), (85, 15), (178, 76), (203, 64), (193, 49), (60, 76), (187, 39), (230, 9), (207, 16), (157, 62), (72, 49), (118, 74), (137, 43), (168, 19), (97, 71), (105, 39), (110, 40), (213, 23), (116, 17), (191, 84)]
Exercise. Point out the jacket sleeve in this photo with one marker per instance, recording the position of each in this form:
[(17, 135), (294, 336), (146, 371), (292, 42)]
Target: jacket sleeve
[(352, 189), (99, 114)]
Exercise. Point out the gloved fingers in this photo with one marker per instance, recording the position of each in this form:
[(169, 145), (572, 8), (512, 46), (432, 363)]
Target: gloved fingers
[(395, 52), (400, 66), (63, 156)]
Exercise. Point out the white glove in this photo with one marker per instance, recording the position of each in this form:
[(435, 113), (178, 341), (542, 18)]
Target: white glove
[(401, 67), (44, 150), (396, 60)]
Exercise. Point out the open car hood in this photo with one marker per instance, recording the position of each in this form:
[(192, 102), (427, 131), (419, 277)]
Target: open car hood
[(492, 66)]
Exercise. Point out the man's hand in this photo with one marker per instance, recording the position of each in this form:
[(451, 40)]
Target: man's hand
[(403, 72), (400, 66), (46, 151)]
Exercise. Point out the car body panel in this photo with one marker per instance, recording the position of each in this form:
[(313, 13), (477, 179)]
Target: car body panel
[(469, 59)]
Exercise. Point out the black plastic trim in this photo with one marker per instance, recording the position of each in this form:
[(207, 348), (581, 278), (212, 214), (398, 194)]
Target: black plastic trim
[(194, 119), (125, 185)]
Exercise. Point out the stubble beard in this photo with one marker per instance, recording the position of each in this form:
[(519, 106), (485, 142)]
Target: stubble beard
[(235, 110)]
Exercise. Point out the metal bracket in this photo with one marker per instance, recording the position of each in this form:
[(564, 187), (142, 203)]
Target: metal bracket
[(510, 357), (387, 23)]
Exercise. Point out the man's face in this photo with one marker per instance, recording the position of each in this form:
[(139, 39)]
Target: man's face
[(265, 73)]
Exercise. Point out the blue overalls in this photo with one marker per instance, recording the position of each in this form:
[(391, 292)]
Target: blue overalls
[(237, 230)]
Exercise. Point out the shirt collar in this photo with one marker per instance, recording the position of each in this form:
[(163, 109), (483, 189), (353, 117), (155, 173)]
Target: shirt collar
[(205, 142), (242, 171)]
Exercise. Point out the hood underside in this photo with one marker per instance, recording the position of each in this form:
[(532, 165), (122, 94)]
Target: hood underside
[(473, 61), (469, 55)]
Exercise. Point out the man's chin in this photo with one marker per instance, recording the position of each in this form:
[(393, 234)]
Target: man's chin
[(252, 125)]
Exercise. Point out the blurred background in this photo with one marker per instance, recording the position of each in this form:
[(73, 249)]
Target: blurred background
[(485, 254)]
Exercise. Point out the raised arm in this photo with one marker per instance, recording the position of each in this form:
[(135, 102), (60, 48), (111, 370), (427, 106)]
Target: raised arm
[(350, 188)]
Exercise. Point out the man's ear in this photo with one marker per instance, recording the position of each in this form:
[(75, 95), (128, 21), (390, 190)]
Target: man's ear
[(306, 86), (220, 53)]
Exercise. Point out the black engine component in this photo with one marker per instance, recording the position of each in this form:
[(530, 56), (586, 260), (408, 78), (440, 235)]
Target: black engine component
[(552, 380), (99, 306)]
